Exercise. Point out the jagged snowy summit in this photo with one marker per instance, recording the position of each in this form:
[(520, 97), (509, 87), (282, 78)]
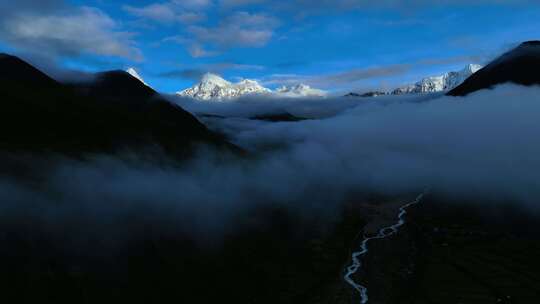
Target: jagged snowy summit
[(442, 83), (214, 87), (134, 73)]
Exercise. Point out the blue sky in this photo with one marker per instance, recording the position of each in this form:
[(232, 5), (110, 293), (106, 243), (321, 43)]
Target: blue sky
[(337, 45)]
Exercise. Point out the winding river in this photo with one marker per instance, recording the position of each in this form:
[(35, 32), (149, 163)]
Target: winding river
[(383, 233)]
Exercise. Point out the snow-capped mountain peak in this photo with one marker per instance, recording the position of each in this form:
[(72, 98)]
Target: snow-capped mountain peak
[(471, 68), (211, 86), (214, 80), (248, 86), (134, 73), (441, 83), (215, 87)]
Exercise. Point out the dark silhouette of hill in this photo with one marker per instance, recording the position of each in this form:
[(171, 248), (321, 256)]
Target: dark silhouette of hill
[(16, 70), (116, 85), (520, 66), (113, 112), (277, 117)]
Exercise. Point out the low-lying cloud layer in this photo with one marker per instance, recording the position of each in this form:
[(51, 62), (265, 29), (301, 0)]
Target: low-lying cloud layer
[(484, 144), (482, 147)]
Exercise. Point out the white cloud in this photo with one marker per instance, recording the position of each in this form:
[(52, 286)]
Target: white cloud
[(232, 36), (69, 33), (197, 51), (481, 146), (169, 12), (241, 29), (345, 79), (352, 4), (191, 17), (193, 4), (196, 72), (176, 39), (237, 3), (161, 12)]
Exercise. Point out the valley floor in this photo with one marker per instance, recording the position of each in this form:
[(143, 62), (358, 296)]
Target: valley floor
[(455, 253), (446, 253)]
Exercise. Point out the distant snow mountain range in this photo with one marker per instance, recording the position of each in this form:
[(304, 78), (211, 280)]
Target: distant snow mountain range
[(213, 87), (434, 84), (441, 83)]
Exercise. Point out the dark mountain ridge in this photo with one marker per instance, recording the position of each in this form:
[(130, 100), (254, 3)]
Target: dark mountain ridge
[(15, 69), (112, 113), (520, 66)]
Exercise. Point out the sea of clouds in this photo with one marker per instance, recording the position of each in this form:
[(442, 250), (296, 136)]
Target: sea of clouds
[(483, 147)]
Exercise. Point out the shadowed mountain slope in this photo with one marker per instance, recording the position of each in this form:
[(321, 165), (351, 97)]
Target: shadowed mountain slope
[(520, 66), (113, 112)]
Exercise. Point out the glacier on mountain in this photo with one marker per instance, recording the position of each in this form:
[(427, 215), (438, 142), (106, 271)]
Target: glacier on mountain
[(440, 83), (213, 87), (134, 73)]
